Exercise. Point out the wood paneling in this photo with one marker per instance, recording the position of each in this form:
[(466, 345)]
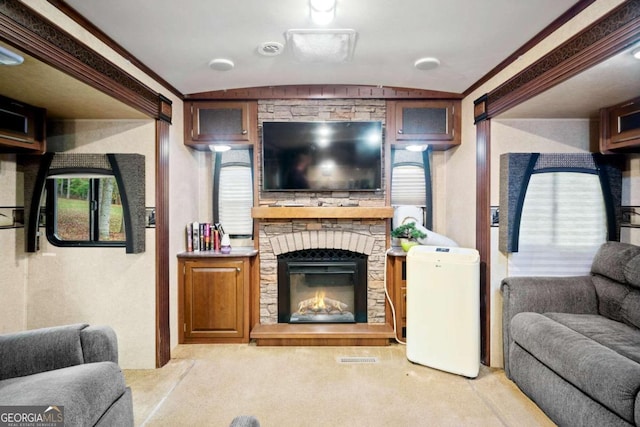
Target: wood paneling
[(323, 92), (163, 334), (483, 230)]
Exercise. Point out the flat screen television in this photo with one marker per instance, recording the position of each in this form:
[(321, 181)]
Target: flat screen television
[(322, 156)]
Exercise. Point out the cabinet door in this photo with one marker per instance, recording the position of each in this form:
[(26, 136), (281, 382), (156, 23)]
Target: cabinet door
[(434, 122), (214, 299), (620, 127), (229, 122), (21, 127)]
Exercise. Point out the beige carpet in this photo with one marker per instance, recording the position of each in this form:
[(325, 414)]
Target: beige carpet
[(208, 385)]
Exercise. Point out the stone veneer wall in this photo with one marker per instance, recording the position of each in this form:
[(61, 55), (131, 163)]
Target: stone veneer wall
[(281, 236)]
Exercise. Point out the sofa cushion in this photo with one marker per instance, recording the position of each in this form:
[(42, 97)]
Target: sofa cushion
[(86, 391), (611, 259), (619, 337), (618, 301), (30, 352), (606, 376), (632, 271)]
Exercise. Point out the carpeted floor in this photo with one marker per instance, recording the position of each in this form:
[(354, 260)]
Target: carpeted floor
[(208, 385)]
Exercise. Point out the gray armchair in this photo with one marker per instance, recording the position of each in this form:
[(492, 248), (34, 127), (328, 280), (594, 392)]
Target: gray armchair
[(74, 367), (572, 344)]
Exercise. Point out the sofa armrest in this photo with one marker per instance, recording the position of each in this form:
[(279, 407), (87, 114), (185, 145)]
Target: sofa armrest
[(39, 350), (575, 294), (99, 344)]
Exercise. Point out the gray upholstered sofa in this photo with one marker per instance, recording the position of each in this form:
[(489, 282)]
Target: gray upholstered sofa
[(74, 366), (572, 344)]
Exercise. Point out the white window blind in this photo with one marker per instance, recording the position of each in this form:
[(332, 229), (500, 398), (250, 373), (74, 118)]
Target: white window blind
[(563, 224), (236, 199), (408, 186)]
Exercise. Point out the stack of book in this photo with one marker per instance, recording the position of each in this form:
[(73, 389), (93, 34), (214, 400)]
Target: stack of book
[(203, 236)]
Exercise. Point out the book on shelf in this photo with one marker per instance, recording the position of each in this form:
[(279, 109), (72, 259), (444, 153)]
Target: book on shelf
[(203, 236)]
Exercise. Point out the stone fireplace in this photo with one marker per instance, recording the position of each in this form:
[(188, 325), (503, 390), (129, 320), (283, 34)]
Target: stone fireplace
[(349, 221), (334, 237), (322, 286)]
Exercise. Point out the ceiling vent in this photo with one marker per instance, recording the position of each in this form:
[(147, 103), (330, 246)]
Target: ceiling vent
[(270, 48)]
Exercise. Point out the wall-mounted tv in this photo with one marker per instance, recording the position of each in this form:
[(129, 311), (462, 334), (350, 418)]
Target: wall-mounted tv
[(322, 156)]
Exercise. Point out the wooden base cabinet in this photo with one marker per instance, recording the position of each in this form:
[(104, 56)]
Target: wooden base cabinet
[(214, 299), (397, 287)]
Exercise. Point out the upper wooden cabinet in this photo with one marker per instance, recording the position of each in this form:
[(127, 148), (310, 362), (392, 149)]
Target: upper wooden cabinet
[(436, 123), (620, 127), (22, 127), (231, 123)]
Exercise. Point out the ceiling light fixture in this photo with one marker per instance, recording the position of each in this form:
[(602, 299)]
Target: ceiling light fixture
[(427, 63), (8, 57), (636, 53), (221, 64), (322, 11), (320, 45), (219, 148)]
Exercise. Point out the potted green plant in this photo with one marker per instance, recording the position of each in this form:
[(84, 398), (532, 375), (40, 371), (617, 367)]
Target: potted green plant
[(408, 235)]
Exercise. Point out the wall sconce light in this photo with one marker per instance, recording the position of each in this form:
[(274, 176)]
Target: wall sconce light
[(219, 148), (322, 11)]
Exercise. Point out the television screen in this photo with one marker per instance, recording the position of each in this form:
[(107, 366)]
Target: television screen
[(321, 156)]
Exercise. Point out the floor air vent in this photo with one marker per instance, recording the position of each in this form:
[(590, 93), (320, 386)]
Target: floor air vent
[(352, 360)]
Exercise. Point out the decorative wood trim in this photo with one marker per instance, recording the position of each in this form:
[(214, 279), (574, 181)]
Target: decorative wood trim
[(603, 39), (480, 109), (165, 109), (26, 30), (163, 333), (560, 21), (297, 212), (323, 92), (483, 232), (99, 34)]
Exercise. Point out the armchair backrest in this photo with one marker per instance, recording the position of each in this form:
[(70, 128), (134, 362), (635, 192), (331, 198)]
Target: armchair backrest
[(40, 350), (616, 277)]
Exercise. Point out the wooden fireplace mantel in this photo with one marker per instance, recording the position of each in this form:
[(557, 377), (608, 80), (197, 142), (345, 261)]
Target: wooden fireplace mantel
[(321, 212)]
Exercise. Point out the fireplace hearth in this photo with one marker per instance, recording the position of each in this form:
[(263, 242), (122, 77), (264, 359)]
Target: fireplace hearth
[(322, 286)]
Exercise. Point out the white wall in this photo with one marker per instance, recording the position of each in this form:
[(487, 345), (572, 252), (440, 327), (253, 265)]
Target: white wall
[(13, 262), (100, 285)]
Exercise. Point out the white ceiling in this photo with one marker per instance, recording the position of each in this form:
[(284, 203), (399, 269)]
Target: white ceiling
[(178, 39)]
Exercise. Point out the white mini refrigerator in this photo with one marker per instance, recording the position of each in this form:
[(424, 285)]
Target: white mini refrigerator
[(443, 309)]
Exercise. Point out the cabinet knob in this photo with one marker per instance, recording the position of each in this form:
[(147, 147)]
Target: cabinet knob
[(400, 131), (244, 131), (238, 269)]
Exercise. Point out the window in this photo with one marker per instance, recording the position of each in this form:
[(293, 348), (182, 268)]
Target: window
[(556, 209), (563, 224), (84, 211), (233, 192), (411, 182)]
